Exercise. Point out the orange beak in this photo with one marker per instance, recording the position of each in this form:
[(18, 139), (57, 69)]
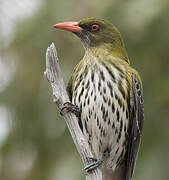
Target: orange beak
[(69, 26)]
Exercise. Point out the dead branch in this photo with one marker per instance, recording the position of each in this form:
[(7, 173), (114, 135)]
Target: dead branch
[(54, 76)]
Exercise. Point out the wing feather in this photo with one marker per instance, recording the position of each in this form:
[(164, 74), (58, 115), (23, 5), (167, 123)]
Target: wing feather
[(136, 125)]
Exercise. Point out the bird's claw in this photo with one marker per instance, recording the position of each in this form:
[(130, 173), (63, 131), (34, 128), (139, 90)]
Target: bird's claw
[(95, 164), (69, 107)]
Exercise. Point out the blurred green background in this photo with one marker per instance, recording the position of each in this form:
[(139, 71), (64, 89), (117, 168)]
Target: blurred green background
[(34, 141)]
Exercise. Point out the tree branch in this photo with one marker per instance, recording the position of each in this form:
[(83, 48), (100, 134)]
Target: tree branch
[(54, 76)]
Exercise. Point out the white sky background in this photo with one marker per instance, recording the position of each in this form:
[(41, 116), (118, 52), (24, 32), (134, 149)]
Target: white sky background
[(12, 11)]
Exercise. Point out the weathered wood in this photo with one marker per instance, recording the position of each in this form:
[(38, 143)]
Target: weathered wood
[(54, 76)]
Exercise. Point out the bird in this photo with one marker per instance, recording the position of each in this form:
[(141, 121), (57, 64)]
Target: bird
[(106, 94)]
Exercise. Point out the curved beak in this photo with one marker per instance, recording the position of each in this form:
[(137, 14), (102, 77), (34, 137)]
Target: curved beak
[(69, 26)]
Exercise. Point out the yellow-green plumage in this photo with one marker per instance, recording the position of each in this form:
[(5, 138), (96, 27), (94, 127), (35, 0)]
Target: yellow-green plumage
[(108, 92)]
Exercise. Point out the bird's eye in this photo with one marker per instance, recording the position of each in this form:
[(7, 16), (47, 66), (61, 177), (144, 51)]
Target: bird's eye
[(94, 27)]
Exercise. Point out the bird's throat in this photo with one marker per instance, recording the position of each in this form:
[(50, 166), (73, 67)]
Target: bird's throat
[(106, 52)]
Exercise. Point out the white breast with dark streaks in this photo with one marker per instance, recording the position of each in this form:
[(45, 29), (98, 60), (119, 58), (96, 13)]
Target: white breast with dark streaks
[(104, 116)]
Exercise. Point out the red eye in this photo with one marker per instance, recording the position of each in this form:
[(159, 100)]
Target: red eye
[(94, 27)]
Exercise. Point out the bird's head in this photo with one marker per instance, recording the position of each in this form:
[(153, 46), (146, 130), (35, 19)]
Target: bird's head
[(95, 32)]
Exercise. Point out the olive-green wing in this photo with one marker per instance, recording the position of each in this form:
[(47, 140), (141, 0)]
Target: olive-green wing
[(135, 127), (70, 93)]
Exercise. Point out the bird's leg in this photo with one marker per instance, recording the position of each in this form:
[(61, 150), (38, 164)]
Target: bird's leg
[(95, 164), (69, 107)]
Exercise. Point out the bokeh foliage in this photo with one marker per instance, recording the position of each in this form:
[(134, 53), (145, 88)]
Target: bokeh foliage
[(39, 146)]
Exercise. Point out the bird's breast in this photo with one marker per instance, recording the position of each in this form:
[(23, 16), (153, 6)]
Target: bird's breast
[(99, 92)]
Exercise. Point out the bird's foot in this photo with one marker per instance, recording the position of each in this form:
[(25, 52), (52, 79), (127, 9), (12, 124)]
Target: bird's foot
[(95, 164), (69, 107)]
